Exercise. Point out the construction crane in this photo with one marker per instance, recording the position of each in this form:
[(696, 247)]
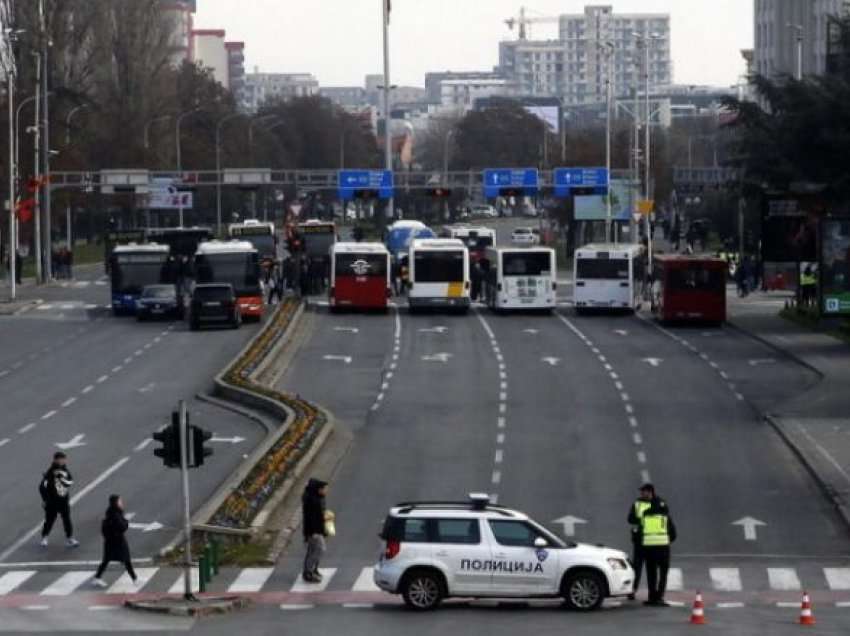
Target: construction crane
[(524, 22)]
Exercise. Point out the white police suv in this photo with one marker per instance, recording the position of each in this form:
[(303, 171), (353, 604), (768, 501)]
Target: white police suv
[(437, 550)]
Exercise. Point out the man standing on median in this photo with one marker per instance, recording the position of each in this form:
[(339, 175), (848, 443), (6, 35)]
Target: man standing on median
[(54, 489), (313, 525)]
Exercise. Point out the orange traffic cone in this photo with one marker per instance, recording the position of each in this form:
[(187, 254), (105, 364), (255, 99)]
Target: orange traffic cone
[(806, 616), (698, 611)]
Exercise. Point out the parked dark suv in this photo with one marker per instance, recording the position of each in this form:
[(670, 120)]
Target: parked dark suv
[(213, 303)]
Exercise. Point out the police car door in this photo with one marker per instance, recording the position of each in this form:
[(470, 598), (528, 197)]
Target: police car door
[(465, 554), (519, 567)]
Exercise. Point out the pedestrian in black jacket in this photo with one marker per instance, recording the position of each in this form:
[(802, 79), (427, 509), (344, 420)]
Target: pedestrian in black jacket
[(115, 548), (54, 489), (313, 525)]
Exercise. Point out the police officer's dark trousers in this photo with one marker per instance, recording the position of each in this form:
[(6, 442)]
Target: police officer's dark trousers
[(657, 559), (637, 561)]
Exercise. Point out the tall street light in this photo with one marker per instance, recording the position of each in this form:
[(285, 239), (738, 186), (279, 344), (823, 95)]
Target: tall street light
[(446, 146), (219, 176), (178, 124), (647, 43), (388, 140), (68, 211), (608, 51), (11, 36), (46, 44)]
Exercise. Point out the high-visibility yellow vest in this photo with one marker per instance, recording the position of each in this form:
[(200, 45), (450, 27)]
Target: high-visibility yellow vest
[(654, 530), (640, 507), (808, 279)]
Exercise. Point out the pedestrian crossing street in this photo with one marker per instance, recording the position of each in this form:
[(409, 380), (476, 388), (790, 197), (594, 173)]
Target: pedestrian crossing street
[(689, 578)]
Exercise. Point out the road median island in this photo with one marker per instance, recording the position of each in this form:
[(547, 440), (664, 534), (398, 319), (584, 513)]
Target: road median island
[(237, 513)]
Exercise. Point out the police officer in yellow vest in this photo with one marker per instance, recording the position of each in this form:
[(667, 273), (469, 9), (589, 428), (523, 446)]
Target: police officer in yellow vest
[(657, 533), (645, 495)]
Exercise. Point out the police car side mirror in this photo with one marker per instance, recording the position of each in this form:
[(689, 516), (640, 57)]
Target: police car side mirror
[(540, 542)]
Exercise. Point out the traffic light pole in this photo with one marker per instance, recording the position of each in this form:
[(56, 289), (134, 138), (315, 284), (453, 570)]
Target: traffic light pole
[(187, 515)]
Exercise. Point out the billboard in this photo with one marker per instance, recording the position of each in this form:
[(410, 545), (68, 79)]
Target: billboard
[(594, 208), (548, 114), (789, 231), (835, 267)]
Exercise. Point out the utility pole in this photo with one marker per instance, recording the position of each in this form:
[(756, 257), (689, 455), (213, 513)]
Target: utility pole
[(388, 140), (48, 243), (648, 160), (187, 514), (798, 29), (13, 242), (609, 54), (36, 217)]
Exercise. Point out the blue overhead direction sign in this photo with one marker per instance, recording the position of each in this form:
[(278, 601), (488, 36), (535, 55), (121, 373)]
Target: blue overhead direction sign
[(511, 181), (586, 180), (365, 182)]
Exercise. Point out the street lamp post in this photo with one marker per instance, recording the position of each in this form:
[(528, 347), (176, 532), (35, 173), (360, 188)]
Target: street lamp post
[(798, 29), (219, 176), (68, 211), (647, 41), (609, 55), (178, 124), (11, 36), (449, 135), (36, 169), (48, 202), (388, 141)]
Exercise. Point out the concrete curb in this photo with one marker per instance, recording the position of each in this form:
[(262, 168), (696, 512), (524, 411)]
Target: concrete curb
[(204, 606), (775, 347), (810, 465), (234, 408)]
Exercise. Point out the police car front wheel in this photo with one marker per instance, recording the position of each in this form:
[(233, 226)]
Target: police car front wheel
[(422, 590), (584, 591)]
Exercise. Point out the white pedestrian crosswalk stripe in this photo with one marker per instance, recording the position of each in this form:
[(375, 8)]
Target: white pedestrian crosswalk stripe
[(365, 582), (67, 583), (302, 586), (783, 579), (725, 579), (125, 585), (179, 585), (10, 581), (837, 578), (250, 580), (674, 580)]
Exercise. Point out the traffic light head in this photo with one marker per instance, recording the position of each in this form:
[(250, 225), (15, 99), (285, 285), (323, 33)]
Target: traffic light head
[(199, 437), (440, 193), (170, 438)]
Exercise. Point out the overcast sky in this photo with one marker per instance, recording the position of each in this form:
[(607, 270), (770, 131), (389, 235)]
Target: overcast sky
[(339, 41)]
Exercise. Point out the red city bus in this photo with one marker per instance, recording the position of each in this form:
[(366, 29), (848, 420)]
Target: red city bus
[(689, 289), (360, 276)]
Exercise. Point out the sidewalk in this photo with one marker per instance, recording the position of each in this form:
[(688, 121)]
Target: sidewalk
[(816, 423)]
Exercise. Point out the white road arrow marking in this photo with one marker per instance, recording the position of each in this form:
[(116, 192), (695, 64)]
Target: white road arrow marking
[(347, 329), (438, 329), (74, 442), (437, 357), (228, 440), (621, 332), (551, 361), (749, 524), (655, 362), (346, 359), (569, 522), (759, 361), (153, 526), (147, 388), (533, 332)]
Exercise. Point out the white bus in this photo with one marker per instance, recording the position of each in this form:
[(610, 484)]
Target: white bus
[(521, 278), (439, 274), (476, 239), (609, 277), (260, 234)]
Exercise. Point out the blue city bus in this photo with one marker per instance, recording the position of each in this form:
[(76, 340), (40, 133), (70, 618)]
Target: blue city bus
[(132, 267)]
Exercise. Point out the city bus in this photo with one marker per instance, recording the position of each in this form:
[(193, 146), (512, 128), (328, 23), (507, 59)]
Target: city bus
[(131, 268), (521, 278), (183, 241), (317, 237), (401, 233), (439, 274), (360, 276), (120, 237), (609, 277), (689, 289), (476, 239), (237, 263), (261, 235)]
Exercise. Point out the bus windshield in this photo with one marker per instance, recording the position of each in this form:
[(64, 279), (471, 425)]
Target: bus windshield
[(240, 270), (263, 243), (131, 272), (526, 264), (372, 265), (603, 269), (696, 279), (438, 266)]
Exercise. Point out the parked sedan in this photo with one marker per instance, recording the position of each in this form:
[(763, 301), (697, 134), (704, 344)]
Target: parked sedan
[(159, 301)]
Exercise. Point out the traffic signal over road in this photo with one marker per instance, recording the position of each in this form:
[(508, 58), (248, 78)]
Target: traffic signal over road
[(198, 439), (439, 193), (170, 438)]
